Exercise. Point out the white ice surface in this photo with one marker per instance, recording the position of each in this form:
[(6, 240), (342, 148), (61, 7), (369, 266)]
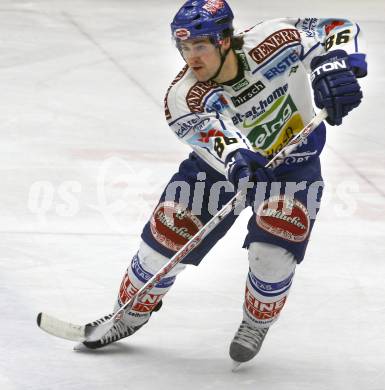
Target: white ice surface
[(84, 153)]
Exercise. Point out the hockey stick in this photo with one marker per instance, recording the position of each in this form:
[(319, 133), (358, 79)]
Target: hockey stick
[(89, 332)]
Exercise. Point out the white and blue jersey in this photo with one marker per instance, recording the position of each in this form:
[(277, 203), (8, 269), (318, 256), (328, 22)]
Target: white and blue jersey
[(271, 101), (267, 104)]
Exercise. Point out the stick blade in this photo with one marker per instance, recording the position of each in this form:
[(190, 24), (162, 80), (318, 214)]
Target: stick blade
[(59, 328)]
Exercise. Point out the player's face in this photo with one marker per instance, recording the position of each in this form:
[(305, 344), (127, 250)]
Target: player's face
[(202, 57)]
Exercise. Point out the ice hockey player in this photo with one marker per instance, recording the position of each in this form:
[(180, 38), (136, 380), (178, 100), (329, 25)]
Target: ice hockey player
[(237, 102)]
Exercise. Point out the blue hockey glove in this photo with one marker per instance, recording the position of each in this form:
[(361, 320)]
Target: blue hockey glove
[(358, 64), (244, 164), (335, 85)]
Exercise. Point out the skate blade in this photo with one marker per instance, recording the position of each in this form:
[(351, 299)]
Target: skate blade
[(80, 347), (236, 366)]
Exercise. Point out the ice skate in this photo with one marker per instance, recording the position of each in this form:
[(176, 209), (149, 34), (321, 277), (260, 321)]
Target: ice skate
[(119, 331), (246, 343)]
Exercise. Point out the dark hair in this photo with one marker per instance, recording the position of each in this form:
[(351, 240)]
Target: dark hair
[(237, 42)]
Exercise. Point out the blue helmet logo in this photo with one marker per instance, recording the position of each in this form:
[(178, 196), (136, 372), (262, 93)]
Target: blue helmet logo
[(182, 34), (213, 6)]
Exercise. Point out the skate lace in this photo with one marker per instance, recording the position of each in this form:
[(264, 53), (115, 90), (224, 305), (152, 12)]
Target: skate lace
[(117, 332), (249, 335)]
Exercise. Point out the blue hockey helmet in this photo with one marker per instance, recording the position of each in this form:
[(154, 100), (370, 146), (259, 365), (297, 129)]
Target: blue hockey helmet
[(203, 18)]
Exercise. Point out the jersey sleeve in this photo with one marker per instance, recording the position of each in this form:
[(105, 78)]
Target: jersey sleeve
[(193, 113), (319, 36)]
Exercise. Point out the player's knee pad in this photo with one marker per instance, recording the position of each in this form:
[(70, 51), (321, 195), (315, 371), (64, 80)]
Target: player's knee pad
[(269, 280), (142, 268), (152, 261), (270, 262)]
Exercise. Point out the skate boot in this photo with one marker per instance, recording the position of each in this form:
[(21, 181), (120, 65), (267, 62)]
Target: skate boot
[(247, 342), (119, 331)]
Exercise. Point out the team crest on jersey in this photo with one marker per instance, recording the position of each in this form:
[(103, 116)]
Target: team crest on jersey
[(284, 217), (330, 26), (219, 138), (205, 136), (173, 226), (273, 43)]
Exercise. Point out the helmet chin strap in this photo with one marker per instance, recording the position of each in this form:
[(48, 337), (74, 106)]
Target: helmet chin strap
[(223, 59)]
